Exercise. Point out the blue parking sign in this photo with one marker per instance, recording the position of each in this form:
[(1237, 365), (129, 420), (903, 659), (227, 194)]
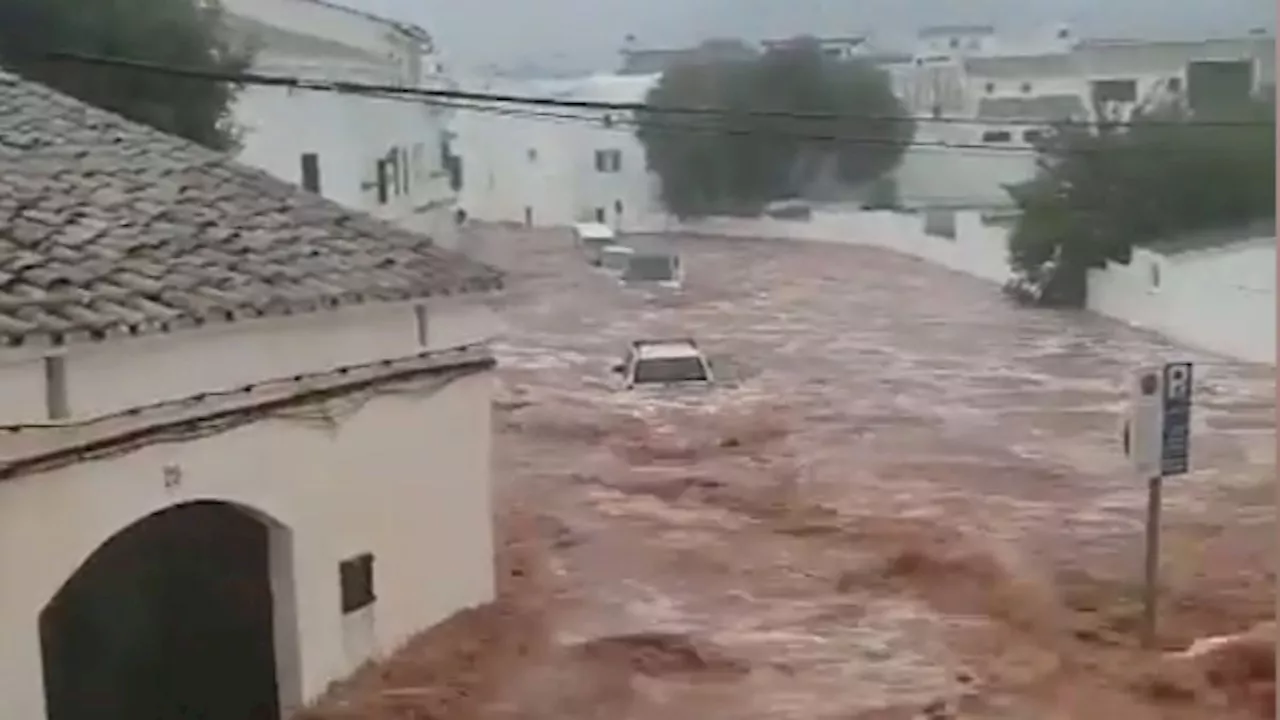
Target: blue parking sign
[(1175, 447)]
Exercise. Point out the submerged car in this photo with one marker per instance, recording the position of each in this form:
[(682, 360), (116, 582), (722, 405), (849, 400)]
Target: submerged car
[(615, 258), (664, 362), (654, 268), (592, 239)]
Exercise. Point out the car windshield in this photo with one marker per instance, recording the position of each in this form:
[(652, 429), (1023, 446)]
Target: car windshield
[(666, 370)]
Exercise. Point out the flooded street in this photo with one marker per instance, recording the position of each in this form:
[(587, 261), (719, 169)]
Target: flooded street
[(910, 500)]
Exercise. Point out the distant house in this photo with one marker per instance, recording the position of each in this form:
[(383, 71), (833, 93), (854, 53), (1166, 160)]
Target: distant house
[(836, 48), (529, 171), (650, 61), (244, 431), (384, 156)]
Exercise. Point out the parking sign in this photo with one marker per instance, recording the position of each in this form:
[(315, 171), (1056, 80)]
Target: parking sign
[(1175, 445)]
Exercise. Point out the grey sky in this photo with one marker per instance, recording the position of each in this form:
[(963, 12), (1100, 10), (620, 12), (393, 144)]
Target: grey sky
[(587, 34)]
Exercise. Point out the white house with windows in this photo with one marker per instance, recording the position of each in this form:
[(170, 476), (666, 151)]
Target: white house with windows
[(388, 157), (244, 430), (556, 167), (1013, 92)]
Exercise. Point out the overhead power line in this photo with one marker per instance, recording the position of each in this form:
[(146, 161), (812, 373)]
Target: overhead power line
[(629, 125), (251, 78)]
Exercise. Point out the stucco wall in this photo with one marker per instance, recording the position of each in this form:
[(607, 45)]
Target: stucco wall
[(349, 133), (977, 249), (1221, 300), (548, 165), (405, 478), (108, 377)]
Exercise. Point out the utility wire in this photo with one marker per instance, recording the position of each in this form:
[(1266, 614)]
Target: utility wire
[(628, 124), (250, 78)]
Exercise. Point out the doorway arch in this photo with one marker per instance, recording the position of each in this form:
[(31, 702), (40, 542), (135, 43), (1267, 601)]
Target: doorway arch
[(187, 612)]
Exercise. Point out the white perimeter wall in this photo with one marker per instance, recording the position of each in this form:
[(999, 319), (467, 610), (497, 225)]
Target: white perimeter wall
[(1221, 300)]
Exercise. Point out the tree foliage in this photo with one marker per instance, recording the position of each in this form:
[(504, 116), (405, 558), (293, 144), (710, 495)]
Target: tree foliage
[(180, 33), (1100, 192), (731, 161)]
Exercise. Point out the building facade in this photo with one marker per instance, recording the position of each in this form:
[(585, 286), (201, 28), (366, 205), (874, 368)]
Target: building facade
[(244, 431), (559, 168), (384, 156)]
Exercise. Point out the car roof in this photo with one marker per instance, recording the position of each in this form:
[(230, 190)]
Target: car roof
[(668, 348), (594, 231)]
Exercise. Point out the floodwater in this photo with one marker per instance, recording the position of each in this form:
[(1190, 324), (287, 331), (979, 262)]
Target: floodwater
[(909, 502)]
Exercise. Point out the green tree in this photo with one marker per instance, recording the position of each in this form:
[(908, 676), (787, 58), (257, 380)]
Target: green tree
[(180, 33), (1101, 192), (732, 160)]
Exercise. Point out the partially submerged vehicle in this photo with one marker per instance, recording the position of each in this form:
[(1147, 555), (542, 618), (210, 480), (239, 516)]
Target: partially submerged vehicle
[(614, 258), (656, 268), (789, 210), (592, 239), (664, 362)]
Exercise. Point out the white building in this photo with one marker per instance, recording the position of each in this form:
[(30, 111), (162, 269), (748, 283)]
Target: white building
[(1014, 91), (383, 156), (555, 167), (244, 431), (1215, 291)]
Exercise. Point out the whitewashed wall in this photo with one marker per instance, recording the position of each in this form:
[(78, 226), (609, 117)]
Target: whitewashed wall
[(1222, 300), (518, 162), (977, 249), (348, 133)]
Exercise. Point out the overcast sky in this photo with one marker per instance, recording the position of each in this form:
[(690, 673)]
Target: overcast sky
[(587, 34)]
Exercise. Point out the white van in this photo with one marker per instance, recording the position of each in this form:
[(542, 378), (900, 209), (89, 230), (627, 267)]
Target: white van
[(592, 238)]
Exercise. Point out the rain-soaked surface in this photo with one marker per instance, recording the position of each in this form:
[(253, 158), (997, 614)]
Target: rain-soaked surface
[(909, 497)]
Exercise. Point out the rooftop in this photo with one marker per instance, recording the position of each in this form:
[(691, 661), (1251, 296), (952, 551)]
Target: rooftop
[(110, 228), (662, 349)]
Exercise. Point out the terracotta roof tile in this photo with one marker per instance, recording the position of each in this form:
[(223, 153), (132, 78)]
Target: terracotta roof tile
[(108, 226)]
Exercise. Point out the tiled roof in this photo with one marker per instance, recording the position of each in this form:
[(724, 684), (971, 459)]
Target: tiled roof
[(109, 227)]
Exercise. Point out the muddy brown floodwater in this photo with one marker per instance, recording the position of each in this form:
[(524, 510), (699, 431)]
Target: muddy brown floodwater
[(909, 502)]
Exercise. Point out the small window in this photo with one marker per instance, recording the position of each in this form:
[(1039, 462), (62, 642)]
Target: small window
[(1026, 87), (955, 43), (406, 171), (532, 154), (600, 215), (1033, 136), (996, 136), (383, 191), (356, 579), (420, 316), (311, 172), (1155, 276), (617, 208), (419, 162), (1175, 84), (991, 88), (608, 161), (55, 388)]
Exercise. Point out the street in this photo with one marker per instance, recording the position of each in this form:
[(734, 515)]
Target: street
[(910, 501)]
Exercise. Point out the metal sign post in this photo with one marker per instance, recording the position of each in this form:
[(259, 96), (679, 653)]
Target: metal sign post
[(1157, 438)]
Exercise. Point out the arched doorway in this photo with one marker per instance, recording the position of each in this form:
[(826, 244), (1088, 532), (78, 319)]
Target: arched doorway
[(173, 617)]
